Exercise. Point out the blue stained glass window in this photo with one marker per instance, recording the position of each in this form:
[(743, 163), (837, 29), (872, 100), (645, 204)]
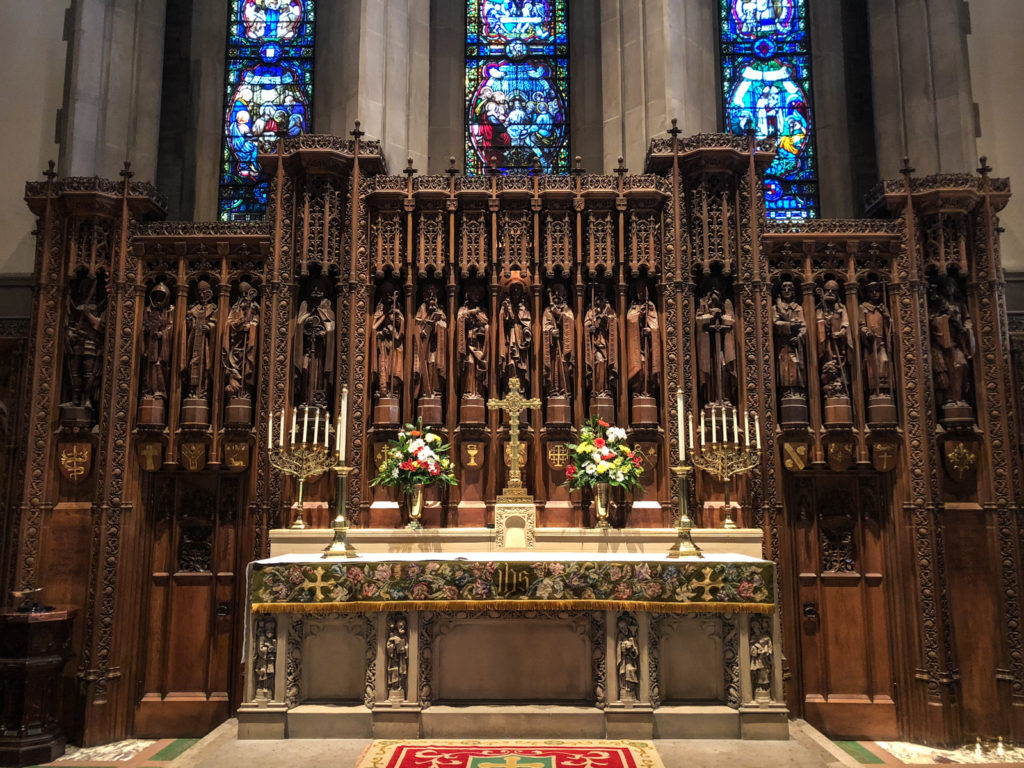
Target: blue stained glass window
[(766, 87), (268, 93), (517, 85)]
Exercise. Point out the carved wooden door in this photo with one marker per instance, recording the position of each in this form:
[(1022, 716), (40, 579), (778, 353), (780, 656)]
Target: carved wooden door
[(186, 644), (839, 526)]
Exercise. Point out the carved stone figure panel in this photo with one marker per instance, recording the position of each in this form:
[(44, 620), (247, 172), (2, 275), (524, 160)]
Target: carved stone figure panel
[(761, 658), (264, 657), (601, 343), (313, 346), (627, 657), (515, 338), (396, 651), (716, 344), (875, 329), (241, 342)]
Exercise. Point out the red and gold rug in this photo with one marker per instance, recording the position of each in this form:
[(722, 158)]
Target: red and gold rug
[(538, 753)]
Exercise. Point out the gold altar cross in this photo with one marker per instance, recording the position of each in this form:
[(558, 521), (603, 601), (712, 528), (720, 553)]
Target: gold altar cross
[(513, 761), (513, 404)]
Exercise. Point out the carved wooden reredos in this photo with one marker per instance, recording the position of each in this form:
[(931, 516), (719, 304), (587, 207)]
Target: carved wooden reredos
[(874, 351), (377, 255)]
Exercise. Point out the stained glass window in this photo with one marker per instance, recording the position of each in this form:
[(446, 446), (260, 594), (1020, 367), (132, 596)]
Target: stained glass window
[(517, 85), (268, 92), (766, 87)]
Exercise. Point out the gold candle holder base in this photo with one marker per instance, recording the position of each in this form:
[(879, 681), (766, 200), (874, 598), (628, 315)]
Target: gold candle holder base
[(340, 546), (684, 545)]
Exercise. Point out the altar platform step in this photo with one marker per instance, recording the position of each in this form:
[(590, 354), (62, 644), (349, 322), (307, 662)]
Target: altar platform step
[(655, 541), (324, 721)]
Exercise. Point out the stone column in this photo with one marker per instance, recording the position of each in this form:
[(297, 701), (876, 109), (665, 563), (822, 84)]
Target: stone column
[(111, 106), (922, 89), (658, 59), (373, 65)]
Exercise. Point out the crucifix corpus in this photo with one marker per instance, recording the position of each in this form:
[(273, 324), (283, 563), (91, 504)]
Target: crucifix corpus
[(513, 404)]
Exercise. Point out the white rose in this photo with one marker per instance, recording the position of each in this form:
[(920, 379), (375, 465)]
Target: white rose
[(616, 434)]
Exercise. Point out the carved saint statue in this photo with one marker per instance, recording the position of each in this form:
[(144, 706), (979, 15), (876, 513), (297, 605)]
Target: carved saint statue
[(761, 666), (397, 652), (627, 657), (84, 341), (602, 344), (834, 342), (157, 327), (875, 329), (430, 346), (313, 352), (558, 329), (716, 346), (472, 346), (516, 337), (238, 351), (952, 341), (643, 342), (200, 324), (790, 340), (389, 336), (266, 658)]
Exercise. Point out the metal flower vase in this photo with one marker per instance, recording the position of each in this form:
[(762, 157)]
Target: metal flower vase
[(601, 491), (416, 507)]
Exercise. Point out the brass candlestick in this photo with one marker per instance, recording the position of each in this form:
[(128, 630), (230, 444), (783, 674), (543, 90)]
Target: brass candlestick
[(684, 545), (301, 460), (341, 546), (725, 460)]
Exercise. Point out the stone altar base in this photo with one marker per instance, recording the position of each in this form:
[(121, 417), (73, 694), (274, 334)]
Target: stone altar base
[(526, 663)]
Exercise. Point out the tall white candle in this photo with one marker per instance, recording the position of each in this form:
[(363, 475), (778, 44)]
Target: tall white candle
[(746, 428), (327, 431), (714, 433), (305, 422), (281, 436), (757, 428), (344, 423), (735, 426), (337, 436), (316, 427), (679, 421), (270, 431), (702, 440), (294, 425), (692, 448)]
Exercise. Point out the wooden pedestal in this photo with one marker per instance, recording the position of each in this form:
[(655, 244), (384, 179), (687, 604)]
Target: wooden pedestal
[(195, 412), (33, 650), (386, 411), (238, 411), (152, 411), (429, 409)]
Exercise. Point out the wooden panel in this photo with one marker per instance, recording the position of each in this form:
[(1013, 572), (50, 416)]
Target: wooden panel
[(187, 675), (971, 567), (843, 621)]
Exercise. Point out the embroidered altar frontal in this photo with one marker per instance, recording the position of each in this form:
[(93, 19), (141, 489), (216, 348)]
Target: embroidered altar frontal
[(530, 582)]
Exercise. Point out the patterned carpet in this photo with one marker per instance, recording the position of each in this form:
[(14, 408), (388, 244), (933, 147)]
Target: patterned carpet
[(540, 753), (903, 753)]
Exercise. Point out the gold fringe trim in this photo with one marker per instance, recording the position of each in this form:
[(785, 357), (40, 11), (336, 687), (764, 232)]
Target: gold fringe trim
[(513, 605)]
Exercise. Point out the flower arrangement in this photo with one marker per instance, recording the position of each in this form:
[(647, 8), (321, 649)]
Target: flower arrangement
[(602, 456), (417, 457)]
